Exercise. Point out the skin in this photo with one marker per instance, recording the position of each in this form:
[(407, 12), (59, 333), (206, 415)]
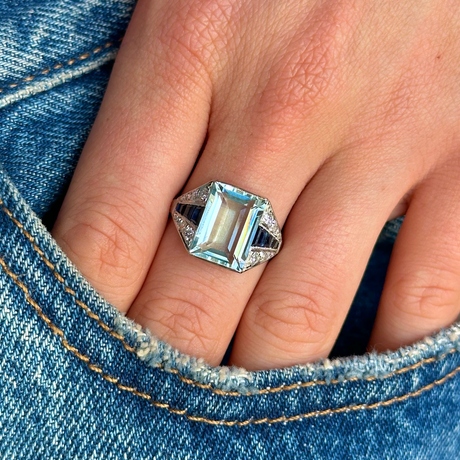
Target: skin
[(344, 113)]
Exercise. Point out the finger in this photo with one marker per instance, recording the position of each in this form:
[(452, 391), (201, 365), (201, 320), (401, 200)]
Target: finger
[(142, 147), (257, 141), (191, 303), (195, 305), (422, 288), (299, 305)]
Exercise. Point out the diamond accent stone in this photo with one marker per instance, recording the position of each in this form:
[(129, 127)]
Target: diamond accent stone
[(258, 256), (269, 222), (198, 196), (186, 229)]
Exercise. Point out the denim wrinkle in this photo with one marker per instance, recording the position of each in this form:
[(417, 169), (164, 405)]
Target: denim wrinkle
[(58, 74)]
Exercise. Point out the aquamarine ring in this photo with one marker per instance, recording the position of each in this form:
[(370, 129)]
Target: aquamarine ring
[(226, 225)]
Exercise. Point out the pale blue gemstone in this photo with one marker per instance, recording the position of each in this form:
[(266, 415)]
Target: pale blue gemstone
[(228, 225)]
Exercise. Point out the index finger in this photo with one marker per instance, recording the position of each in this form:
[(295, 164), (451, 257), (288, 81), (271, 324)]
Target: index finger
[(142, 147)]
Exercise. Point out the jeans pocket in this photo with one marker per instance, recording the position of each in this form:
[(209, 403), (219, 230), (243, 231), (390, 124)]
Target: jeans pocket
[(80, 380)]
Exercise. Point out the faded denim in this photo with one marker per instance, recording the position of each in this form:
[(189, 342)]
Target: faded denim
[(78, 380)]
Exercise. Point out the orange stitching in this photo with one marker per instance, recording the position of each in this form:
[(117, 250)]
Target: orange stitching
[(195, 418), (72, 61), (88, 311), (186, 380)]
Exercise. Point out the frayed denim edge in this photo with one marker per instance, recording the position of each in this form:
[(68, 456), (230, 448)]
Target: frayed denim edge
[(157, 353)]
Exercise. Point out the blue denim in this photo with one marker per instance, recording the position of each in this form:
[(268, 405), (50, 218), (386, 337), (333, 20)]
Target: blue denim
[(79, 380)]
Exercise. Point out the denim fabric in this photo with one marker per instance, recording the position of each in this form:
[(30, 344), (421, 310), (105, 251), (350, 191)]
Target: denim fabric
[(78, 380)]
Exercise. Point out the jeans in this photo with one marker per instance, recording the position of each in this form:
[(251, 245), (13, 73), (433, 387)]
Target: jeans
[(79, 380)]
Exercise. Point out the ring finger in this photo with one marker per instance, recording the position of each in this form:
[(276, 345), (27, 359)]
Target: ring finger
[(422, 291), (300, 304)]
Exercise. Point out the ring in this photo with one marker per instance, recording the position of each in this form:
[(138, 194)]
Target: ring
[(227, 225)]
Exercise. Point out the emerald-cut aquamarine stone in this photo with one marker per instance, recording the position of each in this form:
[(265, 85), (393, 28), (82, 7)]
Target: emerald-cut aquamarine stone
[(228, 226)]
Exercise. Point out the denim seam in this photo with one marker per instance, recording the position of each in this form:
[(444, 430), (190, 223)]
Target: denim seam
[(60, 65), (186, 380), (196, 418)]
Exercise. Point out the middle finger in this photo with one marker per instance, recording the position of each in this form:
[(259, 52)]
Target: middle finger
[(266, 135), (195, 305)]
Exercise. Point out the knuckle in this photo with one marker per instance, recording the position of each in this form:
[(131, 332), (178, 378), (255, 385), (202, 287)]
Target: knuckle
[(307, 70), (185, 321), (300, 83), (294, 318), (101, 238), (426, 293), (397, 108), (196, 29)]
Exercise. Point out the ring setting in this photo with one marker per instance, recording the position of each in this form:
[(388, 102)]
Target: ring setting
[(227, 225)]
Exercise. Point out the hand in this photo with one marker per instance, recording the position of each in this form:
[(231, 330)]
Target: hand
[(344, 113)]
